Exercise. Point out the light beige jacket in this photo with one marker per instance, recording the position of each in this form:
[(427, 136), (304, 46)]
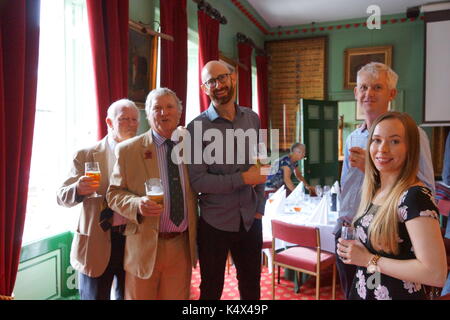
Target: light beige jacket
[(91, 246), (136, 162)]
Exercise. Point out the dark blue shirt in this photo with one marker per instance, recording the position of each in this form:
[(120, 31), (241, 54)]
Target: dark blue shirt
[(276, 178), (223, 196)]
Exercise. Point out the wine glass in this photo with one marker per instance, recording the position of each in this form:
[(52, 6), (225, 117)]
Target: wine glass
[(348, 232), (92, 169), (326, 190), (358, 141), (319, 191)]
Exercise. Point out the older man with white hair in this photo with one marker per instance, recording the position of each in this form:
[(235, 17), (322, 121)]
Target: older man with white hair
[(98, 244), (160, 249)]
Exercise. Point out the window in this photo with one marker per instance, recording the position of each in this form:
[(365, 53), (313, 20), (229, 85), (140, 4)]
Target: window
[(192, 103), (254, 90), (65, 114)]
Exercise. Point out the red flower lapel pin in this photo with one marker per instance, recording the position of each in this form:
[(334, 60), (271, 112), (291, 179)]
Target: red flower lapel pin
[(148, 155)]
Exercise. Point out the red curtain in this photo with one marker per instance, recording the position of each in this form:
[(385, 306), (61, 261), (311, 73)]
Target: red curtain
[(208, 42), (108, 28), (19, 51), (174, 58), (263, 91), (245, 76)]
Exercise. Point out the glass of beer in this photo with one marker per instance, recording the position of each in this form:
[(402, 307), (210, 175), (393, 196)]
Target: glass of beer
[(154, 190), (92, 169), (260, 157)]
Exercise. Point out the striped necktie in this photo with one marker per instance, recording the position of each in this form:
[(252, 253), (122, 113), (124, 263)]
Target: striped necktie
[(176, 192)]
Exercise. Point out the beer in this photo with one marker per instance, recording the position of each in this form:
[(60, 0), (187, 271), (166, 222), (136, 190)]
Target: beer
[(95, 175), (260, 162), (154, 190), (92, 170), (158, 198)]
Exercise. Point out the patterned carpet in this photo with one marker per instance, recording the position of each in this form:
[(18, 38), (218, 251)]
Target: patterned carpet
[(283, 291)]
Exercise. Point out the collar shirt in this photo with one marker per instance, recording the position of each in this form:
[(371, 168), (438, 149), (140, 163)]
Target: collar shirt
[(219, 156), (166, 225)]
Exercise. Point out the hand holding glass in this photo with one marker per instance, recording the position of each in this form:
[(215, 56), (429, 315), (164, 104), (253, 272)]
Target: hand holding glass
[(358, 141), (154, 190), (348, 233), (260, 157), (92, 170)]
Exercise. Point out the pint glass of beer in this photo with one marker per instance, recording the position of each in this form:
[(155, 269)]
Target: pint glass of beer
[(260, 157), (154, 190), (92, 169)]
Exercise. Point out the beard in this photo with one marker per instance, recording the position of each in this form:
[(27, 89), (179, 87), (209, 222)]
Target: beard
[(223, 99)]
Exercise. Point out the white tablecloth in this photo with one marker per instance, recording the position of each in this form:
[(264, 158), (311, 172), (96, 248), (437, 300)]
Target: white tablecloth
[(327, 239)]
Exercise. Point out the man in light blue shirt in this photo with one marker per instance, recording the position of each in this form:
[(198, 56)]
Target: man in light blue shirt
[(375, 89), (446, 179), (446, 169)]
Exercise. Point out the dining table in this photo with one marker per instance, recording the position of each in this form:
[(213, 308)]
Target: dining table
[(300, 212)]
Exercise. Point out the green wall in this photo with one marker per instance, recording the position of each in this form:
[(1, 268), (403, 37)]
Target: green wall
[(407, 39), (147, 11), (237, 22), (144, 11), (45, 271)]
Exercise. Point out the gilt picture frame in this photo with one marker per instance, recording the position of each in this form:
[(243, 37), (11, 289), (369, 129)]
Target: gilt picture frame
[(141, 63), (355, 58)]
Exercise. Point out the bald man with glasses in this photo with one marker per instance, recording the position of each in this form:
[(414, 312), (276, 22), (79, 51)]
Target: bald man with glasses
[(231, 195)]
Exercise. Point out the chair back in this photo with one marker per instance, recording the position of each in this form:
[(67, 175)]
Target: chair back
[(443, 207), (304, 236)]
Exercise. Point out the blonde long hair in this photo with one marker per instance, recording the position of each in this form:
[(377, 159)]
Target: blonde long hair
[(383, 230)]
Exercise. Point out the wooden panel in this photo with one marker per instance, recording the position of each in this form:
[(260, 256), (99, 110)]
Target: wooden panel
[(297, 70), (39, 278)]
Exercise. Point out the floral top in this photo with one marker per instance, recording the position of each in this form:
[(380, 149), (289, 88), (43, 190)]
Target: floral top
[(416, 202), (276, 178)]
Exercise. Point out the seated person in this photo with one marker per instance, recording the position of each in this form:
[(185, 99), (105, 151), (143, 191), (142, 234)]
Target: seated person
[(283, 168)]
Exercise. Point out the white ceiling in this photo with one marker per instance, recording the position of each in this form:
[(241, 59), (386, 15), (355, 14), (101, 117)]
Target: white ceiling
[(286, 13)]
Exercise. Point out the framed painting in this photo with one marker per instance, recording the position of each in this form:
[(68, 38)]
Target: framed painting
[(141, 62), (356, 58)]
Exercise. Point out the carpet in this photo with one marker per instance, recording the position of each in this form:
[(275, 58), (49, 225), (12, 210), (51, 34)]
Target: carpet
[(283, 291)]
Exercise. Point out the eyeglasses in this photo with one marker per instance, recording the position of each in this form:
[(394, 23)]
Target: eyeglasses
[(212, 83)]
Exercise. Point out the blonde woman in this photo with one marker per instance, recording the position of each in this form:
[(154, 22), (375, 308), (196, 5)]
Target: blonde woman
[(399, 246)]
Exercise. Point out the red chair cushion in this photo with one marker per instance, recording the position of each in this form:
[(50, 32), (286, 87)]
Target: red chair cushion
[(304, 258), (267, 243), (444, 207)]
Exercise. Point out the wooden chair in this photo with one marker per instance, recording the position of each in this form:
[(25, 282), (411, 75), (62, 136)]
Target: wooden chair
[(306, 257), (267, 244)]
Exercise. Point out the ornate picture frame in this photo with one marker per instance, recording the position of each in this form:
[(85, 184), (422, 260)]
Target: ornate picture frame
[(141, 62), (355, 58)]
